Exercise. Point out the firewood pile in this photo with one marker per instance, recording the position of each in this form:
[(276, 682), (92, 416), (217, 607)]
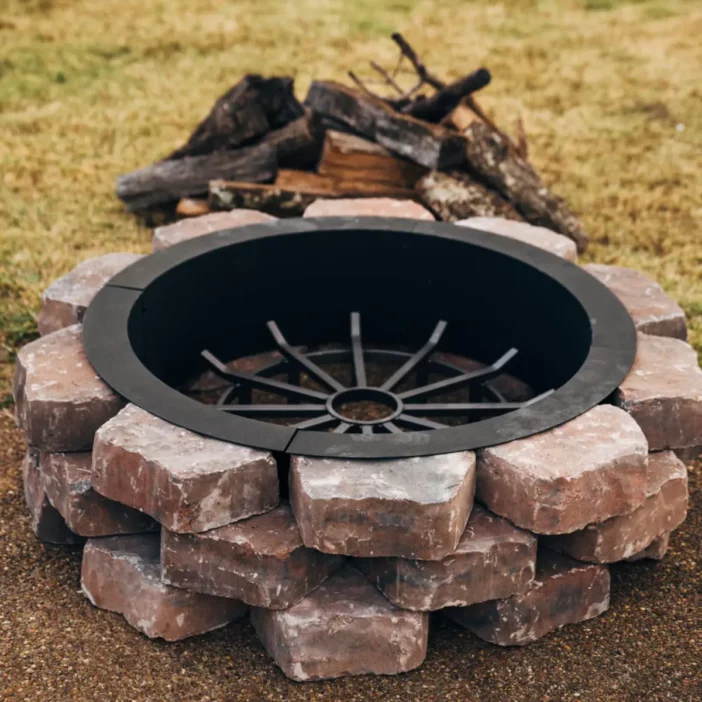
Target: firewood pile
[(260, 148)]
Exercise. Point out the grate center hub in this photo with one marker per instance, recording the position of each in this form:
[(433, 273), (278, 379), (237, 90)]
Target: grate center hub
[(365, 406)]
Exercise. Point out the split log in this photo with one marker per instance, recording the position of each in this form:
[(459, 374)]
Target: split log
[(500, 166), (454, 196), (190, 207), (252, 108), (427, 144), (166, 181), (298, 143), (293, 192), (349, 157)]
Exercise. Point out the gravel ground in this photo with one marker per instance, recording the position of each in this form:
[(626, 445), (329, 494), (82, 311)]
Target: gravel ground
[(55, 646)]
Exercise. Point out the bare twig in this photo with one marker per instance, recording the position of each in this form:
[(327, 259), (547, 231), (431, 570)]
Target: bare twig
[(419, 67), (388, 78), (522, 144)]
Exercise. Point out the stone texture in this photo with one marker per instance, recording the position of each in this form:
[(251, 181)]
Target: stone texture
[(47, 524), (412, 508), (564, 591), (206, 224), (60, 400), (663, 393), (622, 537), (123, 574), (493, 559), (655, 551), (64, 302), (66, 478), (587, 470), (345, 627), (187, 482), (651, 309), (540, 237), (261, 561), (368, 207)]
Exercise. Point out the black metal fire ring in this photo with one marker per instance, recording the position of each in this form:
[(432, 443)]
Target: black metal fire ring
[(148, 325)]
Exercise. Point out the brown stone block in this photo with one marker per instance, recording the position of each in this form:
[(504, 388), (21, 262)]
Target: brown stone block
[(261, 561), (655, 551), (64, 302), (187, 482), (564, 591), (368, 207), (206, 224), (493, 559), (663, 393), (345, 627), (619, 538), (652, 310), (587, 470), (123, 574), (540, 237), (47, 524), (60, 400), (66, 478), (412, 508)]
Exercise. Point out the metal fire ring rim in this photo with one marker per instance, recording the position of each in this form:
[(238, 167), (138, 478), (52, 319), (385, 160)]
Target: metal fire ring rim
[(109, 350)]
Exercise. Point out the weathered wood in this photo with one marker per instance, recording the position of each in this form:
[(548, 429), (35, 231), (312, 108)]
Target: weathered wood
[(349, 157), (298, 143), (166, 181), (429, 145), (293, 193), (192, 207), (454, 196), (501, 166), (435, 107), (253, 107)]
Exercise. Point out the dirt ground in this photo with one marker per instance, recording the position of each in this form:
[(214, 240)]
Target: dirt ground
[(54, 645)]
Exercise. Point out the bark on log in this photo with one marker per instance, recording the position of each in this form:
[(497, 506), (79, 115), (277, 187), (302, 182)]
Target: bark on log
[(294, 192), (253, 107), (299, 143), (349, 157), (500, 166), (454, 196), (427, 144), (166, 181)]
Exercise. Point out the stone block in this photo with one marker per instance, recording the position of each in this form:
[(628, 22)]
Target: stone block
[(540, 237), (66, 478), (47, 524), (619, 538), (411, 508), (563, 592), (261, 561), (586, 470), (345, 627), (652, 310), (655, 551), (123, 574), (60, 400), (187, 482), (186, 229), (368, 207), (663, 393), (494, 559), (64, 302)]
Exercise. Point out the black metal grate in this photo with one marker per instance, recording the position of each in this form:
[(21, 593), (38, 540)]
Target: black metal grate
[(408, 409)]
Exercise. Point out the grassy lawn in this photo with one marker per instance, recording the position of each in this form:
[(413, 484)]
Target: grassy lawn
[(609, 92)]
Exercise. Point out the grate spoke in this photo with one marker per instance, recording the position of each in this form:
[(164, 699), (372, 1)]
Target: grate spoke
[(460, 381), (419, 422), (275, 410), (459, 408), (320, 375), (416, 359), (359, 368), (261, 383), (317, 422), (342, 428), (367, 430), (392, 428)]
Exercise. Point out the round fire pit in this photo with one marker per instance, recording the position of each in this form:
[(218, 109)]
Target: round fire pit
[(360, 291)]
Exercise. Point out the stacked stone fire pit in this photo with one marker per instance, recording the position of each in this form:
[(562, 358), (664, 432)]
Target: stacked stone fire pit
[(201, 498)]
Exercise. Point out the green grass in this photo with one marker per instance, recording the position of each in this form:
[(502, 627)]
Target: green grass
[(609, 92)]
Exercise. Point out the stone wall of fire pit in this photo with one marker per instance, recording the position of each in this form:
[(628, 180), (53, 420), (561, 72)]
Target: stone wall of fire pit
[(186, 534)]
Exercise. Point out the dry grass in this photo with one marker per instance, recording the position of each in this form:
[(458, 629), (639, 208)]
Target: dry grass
[(609, 91)]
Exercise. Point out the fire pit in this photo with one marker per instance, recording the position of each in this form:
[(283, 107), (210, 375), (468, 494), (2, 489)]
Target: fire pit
[(379, 285), (344, 424)]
